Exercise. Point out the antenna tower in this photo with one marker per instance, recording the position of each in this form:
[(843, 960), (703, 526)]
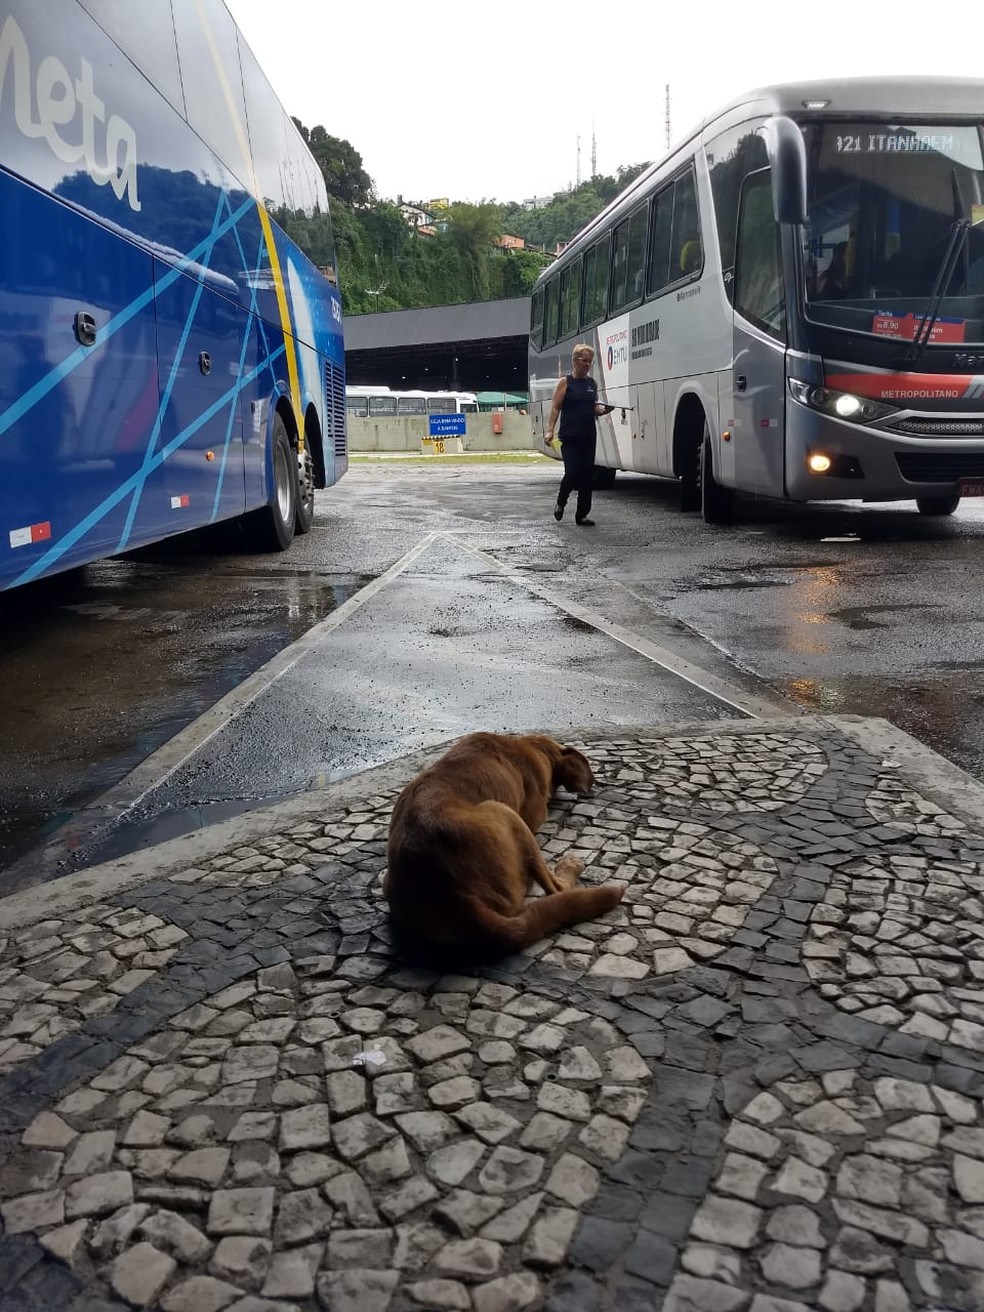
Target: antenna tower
[(667, 116), (578, 160), (594, 153)]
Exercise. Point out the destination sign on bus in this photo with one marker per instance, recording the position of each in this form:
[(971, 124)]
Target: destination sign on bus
[(893, 143)]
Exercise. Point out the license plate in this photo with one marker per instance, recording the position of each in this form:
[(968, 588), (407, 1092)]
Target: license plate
[(971, 487)]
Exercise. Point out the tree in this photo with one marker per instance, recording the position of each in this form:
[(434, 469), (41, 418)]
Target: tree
[(567, 213), (384, 264), (473, 231), (340, 164)]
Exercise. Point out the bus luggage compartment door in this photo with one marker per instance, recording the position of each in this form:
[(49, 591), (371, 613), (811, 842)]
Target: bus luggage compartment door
[(199, 342)]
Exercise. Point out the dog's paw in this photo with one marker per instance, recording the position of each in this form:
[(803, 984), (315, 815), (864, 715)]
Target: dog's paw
[(616, 891), (568, 870)]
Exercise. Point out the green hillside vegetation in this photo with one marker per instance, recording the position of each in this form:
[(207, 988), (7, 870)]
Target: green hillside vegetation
[(384, 264)]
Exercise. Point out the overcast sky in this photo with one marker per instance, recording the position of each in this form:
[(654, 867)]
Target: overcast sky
[(486, 101)]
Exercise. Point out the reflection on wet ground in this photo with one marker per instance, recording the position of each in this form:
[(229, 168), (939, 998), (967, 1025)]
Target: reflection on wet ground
[(104, 664), (941, 711)]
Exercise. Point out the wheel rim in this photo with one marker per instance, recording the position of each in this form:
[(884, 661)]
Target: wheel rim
[(282, 476), (306, 475)]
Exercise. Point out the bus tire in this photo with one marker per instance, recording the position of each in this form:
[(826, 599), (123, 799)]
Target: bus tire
[(271, 528), (690, 498), (304, 518), (937, 505), (717, 503), (604, 477)]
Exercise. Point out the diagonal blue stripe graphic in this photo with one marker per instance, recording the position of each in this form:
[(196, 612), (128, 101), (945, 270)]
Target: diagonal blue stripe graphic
[(109, 503), (43, 386), (166, 397), (242, 360), (252, 297)]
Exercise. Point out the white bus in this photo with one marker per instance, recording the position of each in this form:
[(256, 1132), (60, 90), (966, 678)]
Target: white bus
[(791, 303), (384, 402)]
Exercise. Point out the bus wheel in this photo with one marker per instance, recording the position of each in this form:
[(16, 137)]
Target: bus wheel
[(717, 503), (271, 528), (690, 498), (603, 477), (304, 517), (937, 505)]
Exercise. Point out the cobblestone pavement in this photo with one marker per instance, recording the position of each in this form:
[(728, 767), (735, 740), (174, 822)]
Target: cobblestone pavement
[(755, 1085)]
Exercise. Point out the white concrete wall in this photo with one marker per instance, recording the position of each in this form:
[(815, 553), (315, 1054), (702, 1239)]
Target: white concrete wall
[(404, 433)]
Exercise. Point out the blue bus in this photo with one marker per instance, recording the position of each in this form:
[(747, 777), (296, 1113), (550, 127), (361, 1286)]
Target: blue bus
[(171, 350)]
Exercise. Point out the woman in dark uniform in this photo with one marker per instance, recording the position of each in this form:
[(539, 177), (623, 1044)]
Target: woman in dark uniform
[(575, 402)]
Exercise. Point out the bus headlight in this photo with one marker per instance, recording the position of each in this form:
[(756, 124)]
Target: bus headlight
[(818, 463), (841, 405)]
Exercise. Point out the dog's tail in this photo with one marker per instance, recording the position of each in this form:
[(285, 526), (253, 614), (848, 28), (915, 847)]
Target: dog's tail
[(543, 915)]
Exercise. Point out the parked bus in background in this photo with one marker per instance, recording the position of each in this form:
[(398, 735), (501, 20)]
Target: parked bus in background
[(384, 403), (791, 303), (169, 356)]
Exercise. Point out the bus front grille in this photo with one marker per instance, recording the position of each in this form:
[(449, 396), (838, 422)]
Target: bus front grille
[(923, 427), (939, 466), (335, 407)]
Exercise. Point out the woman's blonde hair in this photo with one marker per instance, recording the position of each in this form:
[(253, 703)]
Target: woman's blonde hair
[(583, 348)]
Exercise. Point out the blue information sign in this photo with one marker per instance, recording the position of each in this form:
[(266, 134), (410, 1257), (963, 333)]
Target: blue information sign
[(446, 425)]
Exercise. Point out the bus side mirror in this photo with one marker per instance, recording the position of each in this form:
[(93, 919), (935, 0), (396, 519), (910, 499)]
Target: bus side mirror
[(787, 158)]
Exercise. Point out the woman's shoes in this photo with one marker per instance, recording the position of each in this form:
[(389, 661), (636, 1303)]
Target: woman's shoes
[(558, 512), (585, 523)]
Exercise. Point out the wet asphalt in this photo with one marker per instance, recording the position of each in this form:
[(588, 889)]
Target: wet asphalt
[(491, 616)]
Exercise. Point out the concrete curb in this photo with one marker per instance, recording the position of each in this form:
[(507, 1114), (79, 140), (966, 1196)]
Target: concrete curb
[(936, 777)]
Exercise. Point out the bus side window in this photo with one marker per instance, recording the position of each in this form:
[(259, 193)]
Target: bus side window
[(758, 269), (570, 299), (596, 282), (551, 312), (630, 257), (536, 319), (730, 157), (659, 248), (686, 251)]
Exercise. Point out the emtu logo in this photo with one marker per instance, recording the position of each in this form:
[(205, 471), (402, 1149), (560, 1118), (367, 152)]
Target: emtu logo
[(60, 99), (617, 344)]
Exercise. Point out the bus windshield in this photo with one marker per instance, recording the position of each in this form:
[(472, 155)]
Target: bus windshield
[(883, 201)]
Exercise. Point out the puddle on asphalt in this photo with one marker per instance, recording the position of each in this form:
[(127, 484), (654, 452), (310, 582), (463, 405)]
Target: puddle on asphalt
[(772, 575), (105, 664), (860, 618)]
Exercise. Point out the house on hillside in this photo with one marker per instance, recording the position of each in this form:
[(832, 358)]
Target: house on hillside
[(418, 218), (509, 243)]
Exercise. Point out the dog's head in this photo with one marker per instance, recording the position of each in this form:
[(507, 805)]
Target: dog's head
[(568, 768)]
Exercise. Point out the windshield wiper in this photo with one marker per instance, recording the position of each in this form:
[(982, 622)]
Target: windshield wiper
[(958, 239)]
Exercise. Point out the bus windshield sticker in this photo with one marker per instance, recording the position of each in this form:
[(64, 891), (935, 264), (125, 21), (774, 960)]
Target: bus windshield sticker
[(903, 327)]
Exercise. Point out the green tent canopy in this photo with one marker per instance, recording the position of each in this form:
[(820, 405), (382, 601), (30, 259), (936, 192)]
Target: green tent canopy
[(491, 400)]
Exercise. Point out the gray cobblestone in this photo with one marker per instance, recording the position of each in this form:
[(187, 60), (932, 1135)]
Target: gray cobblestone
[(732, 1085)]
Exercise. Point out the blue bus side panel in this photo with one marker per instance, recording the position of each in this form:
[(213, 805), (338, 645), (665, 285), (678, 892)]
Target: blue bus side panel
[(72, 418), (181, 231), (200, 349)]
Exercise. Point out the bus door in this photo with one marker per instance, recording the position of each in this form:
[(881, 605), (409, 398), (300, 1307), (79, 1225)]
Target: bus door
[(200, 342), (759, 407)]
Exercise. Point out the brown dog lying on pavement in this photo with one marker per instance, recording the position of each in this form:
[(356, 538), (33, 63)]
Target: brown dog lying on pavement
[(462, 856)]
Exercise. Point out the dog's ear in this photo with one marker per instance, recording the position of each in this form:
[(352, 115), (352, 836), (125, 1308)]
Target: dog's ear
[(573, 772)]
